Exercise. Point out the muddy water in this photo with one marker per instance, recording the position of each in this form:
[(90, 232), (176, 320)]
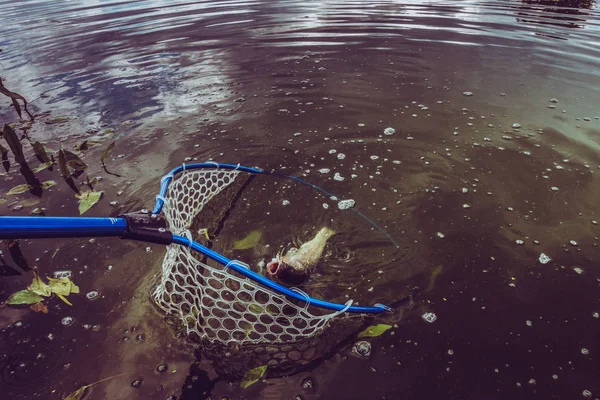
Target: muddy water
[(493, 161)]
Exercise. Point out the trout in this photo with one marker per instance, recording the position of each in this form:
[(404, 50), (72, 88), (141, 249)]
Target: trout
[(295, 267)]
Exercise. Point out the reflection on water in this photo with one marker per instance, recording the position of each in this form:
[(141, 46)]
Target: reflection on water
[(493, 161)]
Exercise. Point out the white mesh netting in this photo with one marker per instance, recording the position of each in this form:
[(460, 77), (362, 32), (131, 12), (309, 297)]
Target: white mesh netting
[(211, 301)]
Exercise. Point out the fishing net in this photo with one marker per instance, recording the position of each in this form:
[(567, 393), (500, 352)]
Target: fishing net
[(213, 302)]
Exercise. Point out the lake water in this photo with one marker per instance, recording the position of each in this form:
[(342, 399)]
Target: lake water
[(493, 161)]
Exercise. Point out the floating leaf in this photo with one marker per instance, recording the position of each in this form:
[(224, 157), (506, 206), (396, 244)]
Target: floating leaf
[(107, 152), (24, 297), (63, 298), (39, 307), (59, 120), (43, 166), (38, 286), (74, 161), (40, 152), (253, 376), (48, 184), (5, 162), (87, 200), (14, 143), (82, 146), (374, 331), (62, 164), (249, 242), (62, 286), (20, 189), (38, 210), (78, 394)]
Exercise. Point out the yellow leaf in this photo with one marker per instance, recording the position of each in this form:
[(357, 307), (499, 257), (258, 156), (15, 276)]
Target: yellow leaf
[(20, 189), (63, 298), (374, 331), (43, 166), (253, 376), (24, 297), (60, 286)]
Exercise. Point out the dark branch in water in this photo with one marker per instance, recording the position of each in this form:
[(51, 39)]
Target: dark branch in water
[(15, 97)]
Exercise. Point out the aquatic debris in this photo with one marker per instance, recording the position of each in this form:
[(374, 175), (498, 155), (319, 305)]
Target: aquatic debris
[(15, 97), (429, 317), (248, 242), (341, 156), (440, 235), (62, 274), (572, 243), (361, 349), (324, 170), (553, 100), (468, 94), (67, 321), (79, 393), (346, 204), (88, 199), (105, 156), (39, 307), (519, 241), (338, 177), (516, 125), (389, 131), (587, 394), (544, 259), (253, 376), (585, 351), (374, 331), (578, 270), (554, 189), (529, 323), (59, 120), (19, 189)]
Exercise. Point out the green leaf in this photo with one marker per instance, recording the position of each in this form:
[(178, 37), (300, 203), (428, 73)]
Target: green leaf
[(24, 297), (249, 242), (20, 189), (59, 120), (62, 286), (374, 331), (253, 376), (87, 200), (43, 167), (48, 184), (38, 286)]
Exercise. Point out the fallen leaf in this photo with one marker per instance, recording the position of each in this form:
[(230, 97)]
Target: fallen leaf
[(39, 307), (253, 376), (43, 166), (40, 152), (59, 120), (38, 210), (5, 161), (87, 200), (24, 297), (250, 241), (107, 152), (82, 146), (63, 298), (62, 286), (78, 394), (374, 331), (74, 161), (62, 164), (14, 143), (38, 286), (20, 189), (48, 184)]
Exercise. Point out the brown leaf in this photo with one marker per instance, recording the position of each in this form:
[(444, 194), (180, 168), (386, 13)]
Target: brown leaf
[(39, 307), (62, 164), (14, 143), (5, 162), (40, 152), (74, 161)]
